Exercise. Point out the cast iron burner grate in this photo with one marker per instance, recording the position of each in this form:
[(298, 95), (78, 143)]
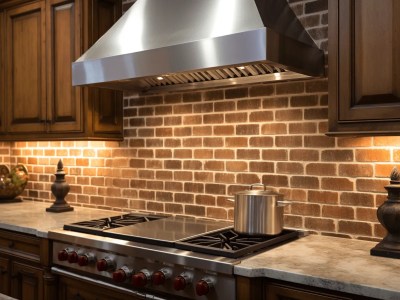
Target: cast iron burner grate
[(228, 243), (100, 225)]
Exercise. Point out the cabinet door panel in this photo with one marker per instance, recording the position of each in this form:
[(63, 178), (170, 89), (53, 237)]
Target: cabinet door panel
[(26, 282), (63, 44), (25, 68), (4, 276), (107, 103)]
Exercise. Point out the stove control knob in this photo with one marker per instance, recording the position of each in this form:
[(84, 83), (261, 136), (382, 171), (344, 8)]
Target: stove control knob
[(182, 280), (86, 259), (73, 257), (159, 277), (63, 254), (141, 278), (122, 274), (105, 264), (204, 286)]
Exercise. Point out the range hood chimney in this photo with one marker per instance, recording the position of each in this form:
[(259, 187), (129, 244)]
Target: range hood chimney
[(185, 44)]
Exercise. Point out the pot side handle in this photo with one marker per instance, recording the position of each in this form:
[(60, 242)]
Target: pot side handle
[(284, 202)]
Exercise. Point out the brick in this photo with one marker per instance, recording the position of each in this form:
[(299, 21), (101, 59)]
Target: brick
[(317, 86), (192, 165), (316, 114), (319, 224), (224, 178), (164, 132), (193, 187), (235, 93), (337, 184), (371, 185), (213, 95), (202, 130), (192, 120), (316, 6), (172, 98), (293, 221), (366, 214), (190, 142), (249, 104), (195, 210), (146, 111), (262, 90), (306, 209), (289, 115), (236, 166), (306, 182), (355, 142), (386, 141), (145, 153), (325, 197), (213, 119), (304, 155), (290, 168), (275, 180), (154, 100), (203, 154), (182, 109), (155, 206), (294, 194), (164, 175), (240, 117), (357, 199), (224, 130), (261, 116), (182, 153), (213, 142), (215, 189), (224, 154), (164, 196), (173, 164), (274, 128), (321, 169), (247, 178), (304, 100), (337, 212), (278, 102), (155, 185), (337, 155), (356, 170), (182, 131), (154, 164), (312, 141), (248, 129), (205, 200), (304, 127), (261, 167), (203, 176), (354, 227), (289, 141), (224, 106), (163, 153), (261, 142), (192, 97), (274, 154), (213, 165), (183, 198), (383, 170), (203, 108), (137, 163), (379, 230), (367, 155), (252, 154), (173, 208)]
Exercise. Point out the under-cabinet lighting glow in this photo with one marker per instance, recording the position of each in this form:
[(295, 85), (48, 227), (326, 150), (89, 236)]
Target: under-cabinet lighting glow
[(160, 78)]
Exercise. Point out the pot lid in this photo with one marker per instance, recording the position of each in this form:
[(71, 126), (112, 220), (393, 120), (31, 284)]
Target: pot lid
[(258, 192)]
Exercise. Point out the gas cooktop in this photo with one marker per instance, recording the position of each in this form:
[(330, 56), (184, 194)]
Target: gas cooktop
[(197, 235)]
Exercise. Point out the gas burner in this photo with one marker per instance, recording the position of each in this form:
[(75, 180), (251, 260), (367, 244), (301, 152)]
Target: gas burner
[(229, 243), (99, 225)]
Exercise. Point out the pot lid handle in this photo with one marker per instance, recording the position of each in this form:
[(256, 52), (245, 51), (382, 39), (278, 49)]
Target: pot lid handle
[(258, 184)]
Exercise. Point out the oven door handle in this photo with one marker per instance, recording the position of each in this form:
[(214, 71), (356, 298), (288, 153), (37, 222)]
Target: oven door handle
[(140, 295)]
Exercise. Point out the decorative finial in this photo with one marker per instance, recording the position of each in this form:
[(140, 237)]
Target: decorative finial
[(60, 189), (395, 176)]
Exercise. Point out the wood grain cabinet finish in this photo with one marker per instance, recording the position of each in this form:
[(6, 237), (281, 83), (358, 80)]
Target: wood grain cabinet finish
[(25, 267), (42, 38), (364, 67)]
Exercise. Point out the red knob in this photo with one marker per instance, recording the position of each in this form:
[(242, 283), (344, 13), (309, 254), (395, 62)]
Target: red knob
[(158, 278), (140, 279), (104, 264), (119, 275), (179, 283), (83, 260), (202, 288), (63, 255), (73, 257)]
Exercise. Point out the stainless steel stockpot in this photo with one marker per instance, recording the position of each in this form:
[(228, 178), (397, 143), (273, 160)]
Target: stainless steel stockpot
[(259, 212)]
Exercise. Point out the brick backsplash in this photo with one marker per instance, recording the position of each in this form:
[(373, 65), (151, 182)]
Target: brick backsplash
[(185, 153)]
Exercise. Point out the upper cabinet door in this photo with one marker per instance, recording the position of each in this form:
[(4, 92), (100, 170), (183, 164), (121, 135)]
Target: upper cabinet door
[(64, 104), (364, 67), (25, 86)]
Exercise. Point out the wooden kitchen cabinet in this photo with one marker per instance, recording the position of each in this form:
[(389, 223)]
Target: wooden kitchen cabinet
[(270, 289), (364, 67), (41, 40), (25, 267)]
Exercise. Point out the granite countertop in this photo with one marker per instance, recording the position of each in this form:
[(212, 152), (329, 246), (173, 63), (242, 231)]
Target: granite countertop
[(32, 218), (328, 262)]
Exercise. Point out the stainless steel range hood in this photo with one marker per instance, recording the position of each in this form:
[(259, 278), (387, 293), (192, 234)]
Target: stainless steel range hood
[(183, 44)]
